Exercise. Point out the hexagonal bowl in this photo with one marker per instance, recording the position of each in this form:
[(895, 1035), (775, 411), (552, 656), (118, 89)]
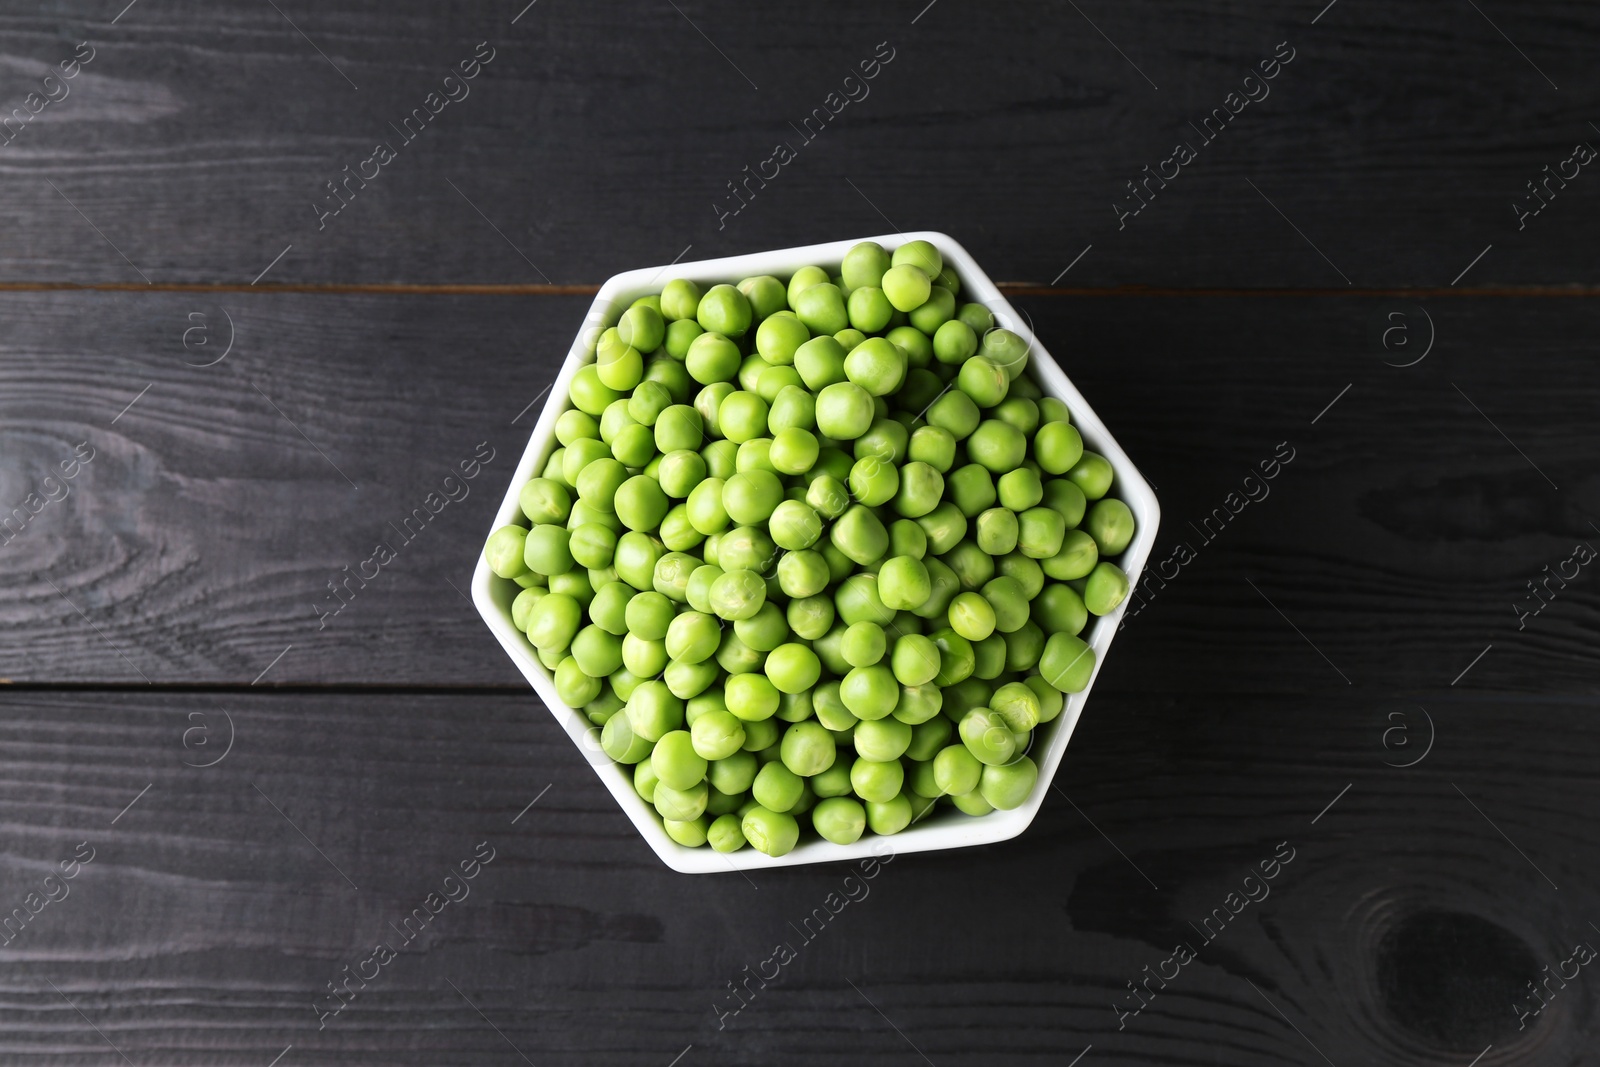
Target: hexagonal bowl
[(944, 827)]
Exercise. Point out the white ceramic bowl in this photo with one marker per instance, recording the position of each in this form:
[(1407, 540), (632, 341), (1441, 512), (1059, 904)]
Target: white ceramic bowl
[(944, 827)]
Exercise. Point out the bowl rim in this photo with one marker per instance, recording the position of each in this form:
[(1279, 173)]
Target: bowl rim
[(492, 597)]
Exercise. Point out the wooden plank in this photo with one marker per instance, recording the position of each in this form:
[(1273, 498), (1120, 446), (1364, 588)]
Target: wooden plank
[(200, 136), (206, 923), (198, 543)]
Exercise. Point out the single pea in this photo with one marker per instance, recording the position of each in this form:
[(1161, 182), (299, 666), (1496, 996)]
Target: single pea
[(1058, 447), (977, 317), (886, 439), (881, 740), (956, 658), (983, 381), (920, 488), (738, 594), (574, 425), (803, 279), (920, 703), (752, 697), (1020, 411), (707, 402), (523, 604), (966, 695), (686, 680), (680, 298), (1067, 663), (598, 653), (671, 575), (653, 710), (956, 770), (574, 583), (505, 551), (828, 496), (1020, 489), (972, 565), (906, 286), (1018, 705), (802, 574), (645, 780), (1004, 594), (589, 393), (822, 309), (766, 294), (599, 481), (998, 446), (945, 525), (716, 735), (954, 343), (809, 616), (921, 782), (680, 336), (956, 412), (820, 362), (860, 535), (864, 644), (751, 496), (997, 531), (547, 549), (742, 416), (1059, 609), (642, 327), (777, 787), (1024, 646), (662, 368), (675, 761), (929, 736), (1008, 787), (573, 686), (839, 819), (573, 459), (680, 472), (865, 264), (1008, 349), (972, 804), (747, 548), (807, 749), (615, 418), (1040, 532), (634, 445), (725, 833), (722, 459), (619, 367), (944, 584), (971, 616), (681, 805), (705, 511), (690, 834), (1110, 523), (792, 408), (877, 366), (933, 313), (904, 583), (770, 832), (733, 774), (712, 357), (889, 816), (545, 500), (1107, 587), (870, 692), (793, 668), (1076, 557), (921, 254), (934, 446), (618, 741), (876, 782), (794, 451), (624, 683), (679, 427), (844, 411), (693, 637), (869, 309), (725, 310), (987, 737), (874, 481), (1092, 474), (906, 538)]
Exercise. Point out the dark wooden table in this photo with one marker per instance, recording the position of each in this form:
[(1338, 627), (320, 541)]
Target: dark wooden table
[(1349, 679)]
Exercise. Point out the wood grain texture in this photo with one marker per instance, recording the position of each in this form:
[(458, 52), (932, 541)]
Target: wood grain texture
[(599, 138), (206, 923), (198, 544)]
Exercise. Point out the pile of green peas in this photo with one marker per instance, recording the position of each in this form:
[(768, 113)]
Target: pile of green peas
[(816, 552)]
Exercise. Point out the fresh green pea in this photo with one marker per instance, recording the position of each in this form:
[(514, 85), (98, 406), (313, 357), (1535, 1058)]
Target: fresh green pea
[(644, 781), (971, 616), (680, 298), (839, 819), (686, 680), (574, 425), (934, 446), (869, 309), (734, 774), (1040, 532), (945, 525), (746, 548), (1058, 447), (725, 310), (653, 710), (944, 584), (618, 740), (1059, 609), (921, 781), (870, 692), (680, 336), (599, 481), (675, 761), (505, 551), (929, 736), (1110, 523), (803, 279), (889, 816), (597, 652), (738, 594), (543, 500), (860, 535), (956, 770), (1076, 557), (971, 564), (793, 408), (523, 604), (770, 832), (972, 489), (956, 658), (954, 343), (822, 309), (881, 740), (681, 805), (777, 787), (972, 803), (997, 445), (547, 549), (997, 531), (906, 538), (877, 366), (820, 362), (1005, 596), (933, 313), (983, 381), (1067, 663), (1107, 587), (669, 372), (642, 327), (742, 416), (956, 412), (725, 833), (864, 644), (1020, 489), (906, 286), (1018, 705), (987, 737), (766, 295), (808, 616), (765, 630), (1093, 474), (751, 496), (904, 583), (690, 834), (1024, 646), (752, 697), (920, 489), (844, 411), (1007, 349), (807, 749), (1007, 787), (921, 254), (573, 686), (712, 357), (618, 367), (876, 782), (865, 264)]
